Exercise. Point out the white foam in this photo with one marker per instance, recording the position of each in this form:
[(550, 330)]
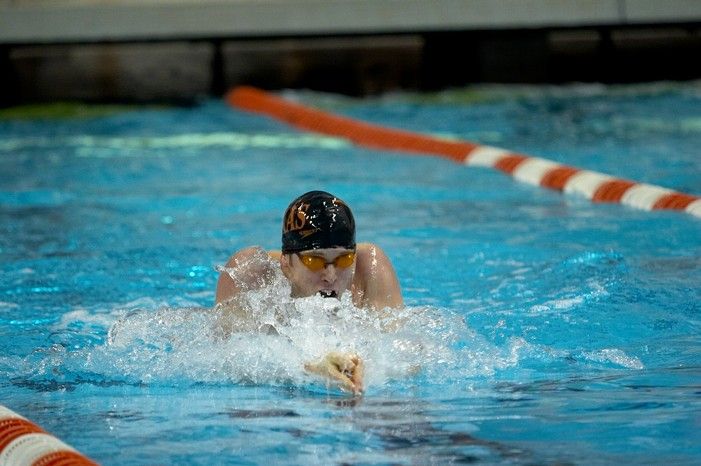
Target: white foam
[(187, 345), (614, 356), (85, 316), (566, 303), (152, 342)]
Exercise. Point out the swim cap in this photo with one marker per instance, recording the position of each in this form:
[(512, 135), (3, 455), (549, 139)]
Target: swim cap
[(317, 220)]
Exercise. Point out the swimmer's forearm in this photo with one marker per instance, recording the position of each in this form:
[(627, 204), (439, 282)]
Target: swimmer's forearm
[(234, 315)]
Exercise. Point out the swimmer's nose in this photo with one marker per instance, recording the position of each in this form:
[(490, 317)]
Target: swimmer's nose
[(329, 273)]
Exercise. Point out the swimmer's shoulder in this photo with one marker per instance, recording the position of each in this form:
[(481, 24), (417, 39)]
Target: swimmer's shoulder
[(370, 253), (376, 278), (248, 253), (371, 263)]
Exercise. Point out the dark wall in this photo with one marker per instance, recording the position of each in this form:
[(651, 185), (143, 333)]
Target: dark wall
[(183, 71)]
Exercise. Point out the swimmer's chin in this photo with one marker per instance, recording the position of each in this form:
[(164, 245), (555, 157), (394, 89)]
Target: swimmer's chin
[(328, 294)]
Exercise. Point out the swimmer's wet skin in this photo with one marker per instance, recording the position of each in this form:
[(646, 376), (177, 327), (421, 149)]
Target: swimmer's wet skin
[(319, 256)]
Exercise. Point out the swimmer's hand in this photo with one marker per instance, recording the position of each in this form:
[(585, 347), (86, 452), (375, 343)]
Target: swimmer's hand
[(345, 369)]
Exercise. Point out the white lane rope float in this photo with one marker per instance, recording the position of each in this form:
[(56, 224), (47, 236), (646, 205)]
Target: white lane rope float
[(597, 187), (24, 443)]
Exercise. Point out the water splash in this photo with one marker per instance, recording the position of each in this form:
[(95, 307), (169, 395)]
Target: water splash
[(187, 345), (266, 337)]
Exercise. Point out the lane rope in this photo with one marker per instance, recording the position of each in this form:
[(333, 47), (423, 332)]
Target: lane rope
[(23, 443), (595, 186)]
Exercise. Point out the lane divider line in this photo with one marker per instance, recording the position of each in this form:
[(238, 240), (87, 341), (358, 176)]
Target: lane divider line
[(597, 187), (358, 132), (23, 443)]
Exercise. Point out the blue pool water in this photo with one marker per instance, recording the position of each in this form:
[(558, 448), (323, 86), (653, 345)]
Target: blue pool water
[(546, 329)]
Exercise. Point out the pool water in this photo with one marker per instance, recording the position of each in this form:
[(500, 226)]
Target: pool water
[(540, 328)]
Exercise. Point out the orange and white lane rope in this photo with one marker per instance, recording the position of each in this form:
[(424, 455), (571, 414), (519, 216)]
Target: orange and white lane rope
[(597, 187), (23, 443)]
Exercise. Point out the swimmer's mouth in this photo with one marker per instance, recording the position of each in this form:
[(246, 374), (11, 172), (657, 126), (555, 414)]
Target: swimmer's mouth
[(328, 294)]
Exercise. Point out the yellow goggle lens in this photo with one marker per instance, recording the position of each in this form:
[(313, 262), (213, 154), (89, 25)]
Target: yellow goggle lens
[(316, 263)]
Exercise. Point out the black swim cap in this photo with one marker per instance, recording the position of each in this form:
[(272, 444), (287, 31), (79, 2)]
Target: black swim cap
[(317, 220)]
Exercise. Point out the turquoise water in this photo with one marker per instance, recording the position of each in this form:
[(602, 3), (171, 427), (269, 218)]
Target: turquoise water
[(546, 329)]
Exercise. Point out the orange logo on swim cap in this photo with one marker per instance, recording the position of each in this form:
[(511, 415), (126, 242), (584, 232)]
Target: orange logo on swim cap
[(297, 217)]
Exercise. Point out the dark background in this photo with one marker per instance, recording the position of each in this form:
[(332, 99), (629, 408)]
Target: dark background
[(185, 71)]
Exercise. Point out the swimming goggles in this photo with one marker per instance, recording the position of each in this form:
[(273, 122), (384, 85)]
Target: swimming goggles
[(316, 263)]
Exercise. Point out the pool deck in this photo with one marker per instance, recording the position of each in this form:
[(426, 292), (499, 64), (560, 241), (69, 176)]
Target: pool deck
[(94, 21)]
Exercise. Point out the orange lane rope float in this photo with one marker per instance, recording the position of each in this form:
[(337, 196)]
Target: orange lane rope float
[(23, 443), (597, 187)]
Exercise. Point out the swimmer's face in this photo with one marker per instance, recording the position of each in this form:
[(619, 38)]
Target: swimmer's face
[(331, 280)]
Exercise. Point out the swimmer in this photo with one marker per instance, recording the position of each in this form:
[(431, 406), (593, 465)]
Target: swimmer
[(319, 256)]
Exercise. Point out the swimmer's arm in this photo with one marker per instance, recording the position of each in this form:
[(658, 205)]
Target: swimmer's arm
[(232, 316), (378, 281), (246, 270)]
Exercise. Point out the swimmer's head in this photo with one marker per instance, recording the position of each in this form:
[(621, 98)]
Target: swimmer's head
[(317, 220)]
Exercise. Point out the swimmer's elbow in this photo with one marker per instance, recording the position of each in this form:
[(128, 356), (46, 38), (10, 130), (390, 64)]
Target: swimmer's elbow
[(393, 299), (396, 301), (393, 303), (225, 289)]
